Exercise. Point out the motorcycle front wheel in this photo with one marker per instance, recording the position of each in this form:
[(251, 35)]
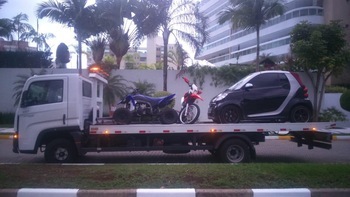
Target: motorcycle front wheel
[(191, 116)]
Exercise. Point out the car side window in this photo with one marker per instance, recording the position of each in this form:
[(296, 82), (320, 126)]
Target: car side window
[(44, 92), (265, 80), (283, 81)]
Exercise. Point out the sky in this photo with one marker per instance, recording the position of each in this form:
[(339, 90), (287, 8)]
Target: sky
[(62, 33)]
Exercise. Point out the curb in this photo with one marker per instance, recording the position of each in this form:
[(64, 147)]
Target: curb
[(185, 192)]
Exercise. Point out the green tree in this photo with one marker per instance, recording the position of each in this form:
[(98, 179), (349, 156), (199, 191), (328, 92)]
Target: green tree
[(178, 56), (145, 87), (115, 87), (181, 19), (320, 51), (73, 13), (97, 45), (248, 14), (119, 44)]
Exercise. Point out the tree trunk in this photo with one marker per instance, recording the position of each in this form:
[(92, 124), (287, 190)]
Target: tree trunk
[(165, 59), (79, 53), (119, 60), (257, 47)]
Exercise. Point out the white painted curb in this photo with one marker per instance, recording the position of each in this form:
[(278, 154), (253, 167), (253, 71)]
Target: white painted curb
[(29, 192), (297, 192), (165, 192)]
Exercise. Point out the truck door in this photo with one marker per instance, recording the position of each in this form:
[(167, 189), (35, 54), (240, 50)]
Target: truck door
[(43, 106)]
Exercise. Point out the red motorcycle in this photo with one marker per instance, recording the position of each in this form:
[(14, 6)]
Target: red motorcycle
[(190, 111)]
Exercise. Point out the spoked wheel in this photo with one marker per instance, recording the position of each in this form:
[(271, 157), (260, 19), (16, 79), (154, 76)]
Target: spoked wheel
[(235, 151), (230, 114), (168, 116), (122, 116), (191, 116), (300, 114), (60, 151)]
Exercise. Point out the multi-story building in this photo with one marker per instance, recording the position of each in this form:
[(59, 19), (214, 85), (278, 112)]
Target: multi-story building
[(227, 46)]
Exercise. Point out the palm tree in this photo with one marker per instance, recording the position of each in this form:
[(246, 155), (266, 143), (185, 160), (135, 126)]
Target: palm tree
[(97, 45), (5, 24), (115, 88), (144, 87), (39, 38), (248, 14), (178, 57), (181, 19), (73, 13), (19, 25), (119, 44)]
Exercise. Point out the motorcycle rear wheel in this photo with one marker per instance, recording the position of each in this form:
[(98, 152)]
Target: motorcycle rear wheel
[(191, 116)]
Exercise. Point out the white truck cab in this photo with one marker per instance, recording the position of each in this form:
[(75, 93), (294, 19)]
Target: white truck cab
[(56, 102)]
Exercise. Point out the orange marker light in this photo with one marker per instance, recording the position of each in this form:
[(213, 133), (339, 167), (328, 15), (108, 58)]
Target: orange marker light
[(106, 132)]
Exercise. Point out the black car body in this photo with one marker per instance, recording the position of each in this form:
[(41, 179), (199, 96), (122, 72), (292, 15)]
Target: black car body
[(263, 96)]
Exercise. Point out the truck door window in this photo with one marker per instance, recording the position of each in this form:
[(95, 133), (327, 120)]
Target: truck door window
[(44, 92), (87, 89)]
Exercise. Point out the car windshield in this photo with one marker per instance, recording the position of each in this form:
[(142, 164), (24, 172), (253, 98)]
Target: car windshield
[(240, 83)]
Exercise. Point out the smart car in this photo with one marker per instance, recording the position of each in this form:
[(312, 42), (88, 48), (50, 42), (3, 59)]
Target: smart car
[(268, 96)]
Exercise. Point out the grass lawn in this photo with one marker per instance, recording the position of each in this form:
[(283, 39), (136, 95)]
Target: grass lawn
[(199, 176)]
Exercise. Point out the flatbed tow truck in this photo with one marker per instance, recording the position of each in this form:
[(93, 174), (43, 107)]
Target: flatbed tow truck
[(58, 115)]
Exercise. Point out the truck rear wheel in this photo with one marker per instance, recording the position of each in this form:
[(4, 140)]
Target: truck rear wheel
[(235, 151), (60, 151)]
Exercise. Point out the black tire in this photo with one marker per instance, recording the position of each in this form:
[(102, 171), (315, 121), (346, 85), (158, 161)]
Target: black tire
[(168, 116), (60, 151), (192, 114), (300, 114), (235, 151), (230, 114), (122, 116)]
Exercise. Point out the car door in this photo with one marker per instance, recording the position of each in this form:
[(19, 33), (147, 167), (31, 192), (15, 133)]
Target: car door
[(43, 106), (266, 95)]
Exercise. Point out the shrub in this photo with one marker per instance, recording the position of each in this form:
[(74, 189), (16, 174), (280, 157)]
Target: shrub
[(165, 93), (332, 115), (345, 100), (7, 117), (335, 89)]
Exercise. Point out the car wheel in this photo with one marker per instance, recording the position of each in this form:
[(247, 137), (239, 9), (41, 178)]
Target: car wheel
[(230, 114), (300, 114)]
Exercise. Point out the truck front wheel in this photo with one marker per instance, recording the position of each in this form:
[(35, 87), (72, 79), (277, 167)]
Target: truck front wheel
[(235, 151), (60, 151)]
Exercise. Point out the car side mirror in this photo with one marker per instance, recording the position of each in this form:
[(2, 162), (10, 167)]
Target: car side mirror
[(248, 86)]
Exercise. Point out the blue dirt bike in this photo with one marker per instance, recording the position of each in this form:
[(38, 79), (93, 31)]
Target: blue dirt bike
[(138, 107)]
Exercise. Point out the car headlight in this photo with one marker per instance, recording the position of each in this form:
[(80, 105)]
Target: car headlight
[(220, 96)]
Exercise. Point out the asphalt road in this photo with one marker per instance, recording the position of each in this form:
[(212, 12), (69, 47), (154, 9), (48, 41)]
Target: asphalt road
[(267, 152)]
